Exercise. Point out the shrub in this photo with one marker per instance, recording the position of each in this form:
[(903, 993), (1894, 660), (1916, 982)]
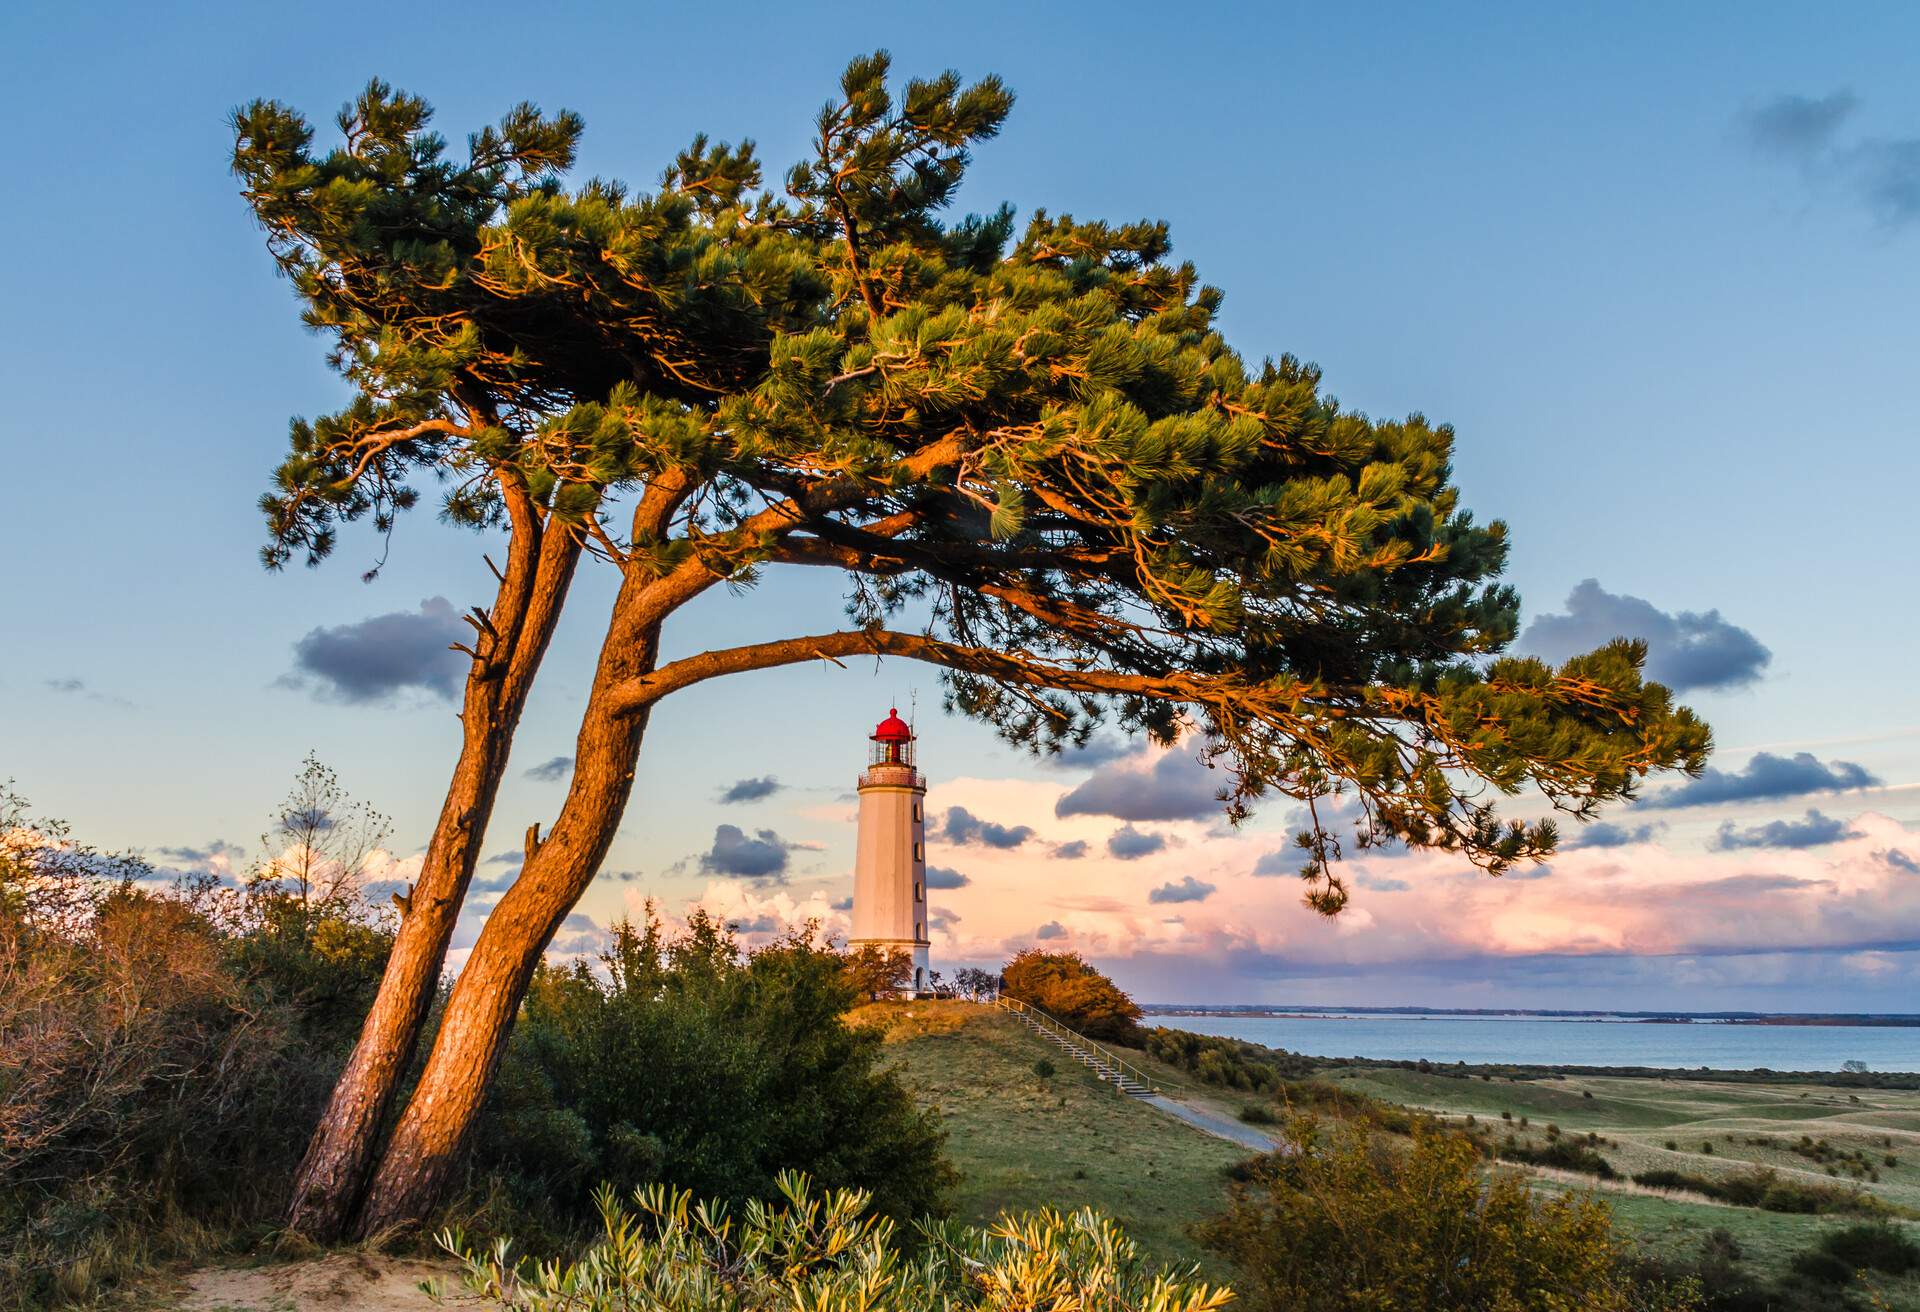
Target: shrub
[(164, 1050), (1228, 1063), (1560, 1153), (1044, 1069), (1257, 1113), (823, 1252), (1769, 1191), (1342, 1222), (683, 1061), (1820, 1266), (1873, 1246), (1065, 985)]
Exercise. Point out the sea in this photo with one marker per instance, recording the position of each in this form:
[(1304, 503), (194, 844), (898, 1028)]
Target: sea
[(1570, 1041)]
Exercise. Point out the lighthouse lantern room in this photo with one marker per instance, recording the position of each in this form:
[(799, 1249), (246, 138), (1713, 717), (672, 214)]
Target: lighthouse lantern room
[(890, 862)]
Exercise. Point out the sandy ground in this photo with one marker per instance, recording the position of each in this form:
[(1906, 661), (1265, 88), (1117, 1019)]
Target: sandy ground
[(339, 1282)]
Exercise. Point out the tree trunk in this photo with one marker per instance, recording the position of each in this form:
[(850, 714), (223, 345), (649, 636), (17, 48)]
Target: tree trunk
[(426, 1142), (329, 1184)]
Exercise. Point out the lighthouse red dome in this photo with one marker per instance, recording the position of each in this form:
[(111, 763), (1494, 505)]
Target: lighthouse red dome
[(893, 729)]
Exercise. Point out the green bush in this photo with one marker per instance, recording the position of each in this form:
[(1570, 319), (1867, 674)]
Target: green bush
[(1822, 1267), (1258, 1113), (1769, 1191), (825, 1253), (1342, 1222), (1873, 1246), (1564, 1154), (1725, 1284), (1044, 1069), (1227, 1063), (686, 1062)]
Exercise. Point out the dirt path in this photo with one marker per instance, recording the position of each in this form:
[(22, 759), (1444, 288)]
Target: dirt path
[(1238, 1132), (339, 1282)]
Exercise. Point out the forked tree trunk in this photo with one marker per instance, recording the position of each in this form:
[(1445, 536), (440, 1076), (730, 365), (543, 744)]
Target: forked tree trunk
[(426, 1141), (332, 1176)]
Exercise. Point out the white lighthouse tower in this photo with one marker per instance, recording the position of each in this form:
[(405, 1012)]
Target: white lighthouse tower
[(890, 864)]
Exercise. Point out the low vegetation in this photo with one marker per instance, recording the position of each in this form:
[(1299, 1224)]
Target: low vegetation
[(1770, 1191), (1226, 1063), (165, 1049), (829, 1253), (1343, 1222), (162, 1048)]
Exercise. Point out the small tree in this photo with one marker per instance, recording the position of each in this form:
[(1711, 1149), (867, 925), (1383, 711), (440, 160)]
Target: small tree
[(320, 841), (972, 982), (1064, 984), (875, 973)]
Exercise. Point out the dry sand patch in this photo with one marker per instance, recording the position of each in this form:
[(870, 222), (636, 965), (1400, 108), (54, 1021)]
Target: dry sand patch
[(339, 1282)]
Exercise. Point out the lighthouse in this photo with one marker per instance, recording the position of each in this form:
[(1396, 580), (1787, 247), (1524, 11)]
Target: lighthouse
[(890, 862)]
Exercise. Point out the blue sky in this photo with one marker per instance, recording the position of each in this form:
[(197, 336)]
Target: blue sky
[(1669, 313)]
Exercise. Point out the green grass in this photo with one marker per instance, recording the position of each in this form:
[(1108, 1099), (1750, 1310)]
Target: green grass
[(1022, 1142)]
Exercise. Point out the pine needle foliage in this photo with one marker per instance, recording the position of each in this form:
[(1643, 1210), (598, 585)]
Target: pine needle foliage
[(1030, 449)]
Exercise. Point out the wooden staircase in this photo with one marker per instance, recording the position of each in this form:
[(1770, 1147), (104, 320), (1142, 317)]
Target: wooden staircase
[(1126, 1079)]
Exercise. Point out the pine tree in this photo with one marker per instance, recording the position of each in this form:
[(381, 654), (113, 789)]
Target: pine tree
[(1034, 459)]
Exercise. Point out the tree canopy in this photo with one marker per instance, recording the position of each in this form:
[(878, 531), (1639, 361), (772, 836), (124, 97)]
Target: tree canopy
[(1027, 448), (1064, 985), (1036, 457)]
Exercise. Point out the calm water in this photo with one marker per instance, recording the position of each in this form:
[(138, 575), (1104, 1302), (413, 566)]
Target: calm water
[(1531, 1040)]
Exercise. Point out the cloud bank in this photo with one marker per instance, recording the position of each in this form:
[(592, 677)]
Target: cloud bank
[(374, 659), (761, 856), (749, 790), (1767, 776), (963, 826), (1816, 830), (1685, 650), (1174, 787), (1881, 174)]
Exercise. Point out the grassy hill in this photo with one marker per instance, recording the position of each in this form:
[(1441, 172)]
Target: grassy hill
[(1021, 1140)]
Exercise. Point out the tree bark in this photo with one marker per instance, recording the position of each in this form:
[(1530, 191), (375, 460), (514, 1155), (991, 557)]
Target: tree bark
[(331, 1180), (426, 1141)]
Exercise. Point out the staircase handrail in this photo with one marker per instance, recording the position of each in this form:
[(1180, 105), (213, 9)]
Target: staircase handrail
[(1075, 1036)]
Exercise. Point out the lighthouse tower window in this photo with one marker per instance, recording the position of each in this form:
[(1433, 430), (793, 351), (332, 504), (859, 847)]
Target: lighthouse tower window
[(919, 851)]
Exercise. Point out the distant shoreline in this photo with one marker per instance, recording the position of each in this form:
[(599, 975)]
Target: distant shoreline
[(1824, 1019)]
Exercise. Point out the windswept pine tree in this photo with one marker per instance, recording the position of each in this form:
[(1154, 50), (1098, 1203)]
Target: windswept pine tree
[(1026, 447)]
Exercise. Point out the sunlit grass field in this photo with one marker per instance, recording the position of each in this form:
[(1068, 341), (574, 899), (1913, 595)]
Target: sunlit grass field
[(1022, 1141)]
